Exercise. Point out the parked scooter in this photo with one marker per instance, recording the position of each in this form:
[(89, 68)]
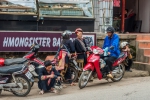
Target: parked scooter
[(15, 79), (37, 63), (30, 57), (72, 65), (96, 65)]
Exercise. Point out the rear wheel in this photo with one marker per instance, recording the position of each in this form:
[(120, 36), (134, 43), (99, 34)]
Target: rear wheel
[(118, 73), (31, 83), (84, 78), (74, 74), (26, 86)]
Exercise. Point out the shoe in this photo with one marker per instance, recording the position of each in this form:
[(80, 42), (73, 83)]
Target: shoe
[(129, 70), (110, 76), (41, 92)]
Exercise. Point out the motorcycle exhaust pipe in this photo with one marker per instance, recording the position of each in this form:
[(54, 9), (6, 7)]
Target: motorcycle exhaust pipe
[(9, 85)]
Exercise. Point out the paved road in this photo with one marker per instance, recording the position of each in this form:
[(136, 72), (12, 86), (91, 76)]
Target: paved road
[(126, 89)]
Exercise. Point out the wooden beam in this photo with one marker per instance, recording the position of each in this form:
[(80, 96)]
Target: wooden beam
[(123, 16)]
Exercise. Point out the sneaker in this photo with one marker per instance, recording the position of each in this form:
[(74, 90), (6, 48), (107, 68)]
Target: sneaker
[(41, 92), (110, 76), (129, 70)]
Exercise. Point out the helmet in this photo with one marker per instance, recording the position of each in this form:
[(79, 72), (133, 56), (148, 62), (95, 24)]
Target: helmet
[(123, 44), (110, 29), (78, 30), (66, 33)]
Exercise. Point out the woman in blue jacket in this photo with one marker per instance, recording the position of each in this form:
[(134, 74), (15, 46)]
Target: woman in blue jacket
[(111, 40)]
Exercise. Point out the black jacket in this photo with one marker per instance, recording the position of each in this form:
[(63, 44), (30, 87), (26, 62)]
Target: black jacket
[(78, 46), (43, 71), (69, 45)]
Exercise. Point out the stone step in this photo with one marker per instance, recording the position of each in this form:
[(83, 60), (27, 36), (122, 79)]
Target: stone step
[(146, 51), (136, 73), (143, 37), (142, 56), (141, 66), (149, 58), (144, 44)]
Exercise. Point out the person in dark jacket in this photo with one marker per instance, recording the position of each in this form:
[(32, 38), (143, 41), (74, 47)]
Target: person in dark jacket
[(47, 77), (80, 45), (68, 46), (111, 40)]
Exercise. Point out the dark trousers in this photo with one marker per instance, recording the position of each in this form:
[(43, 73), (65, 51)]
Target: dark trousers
[(68, 75), (83, 56), (109, 62), (129, 64), (43, 84)]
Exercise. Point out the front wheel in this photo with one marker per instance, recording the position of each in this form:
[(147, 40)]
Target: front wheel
[(84, 78), (118, 73), (26, 86)]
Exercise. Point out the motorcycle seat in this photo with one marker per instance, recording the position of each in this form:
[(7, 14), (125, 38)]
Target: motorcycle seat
[(10, 69), (121, 55), (8, 62)]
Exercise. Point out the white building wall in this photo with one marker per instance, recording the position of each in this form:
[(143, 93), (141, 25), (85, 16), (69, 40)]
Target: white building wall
[(144, 15), (96, 15), (103, 11)]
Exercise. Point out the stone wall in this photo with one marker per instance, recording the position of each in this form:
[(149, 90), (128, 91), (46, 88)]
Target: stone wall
[(100, 39)]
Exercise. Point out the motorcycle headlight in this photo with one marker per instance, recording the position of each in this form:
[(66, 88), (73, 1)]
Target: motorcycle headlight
[(95, 51), (31, 68)]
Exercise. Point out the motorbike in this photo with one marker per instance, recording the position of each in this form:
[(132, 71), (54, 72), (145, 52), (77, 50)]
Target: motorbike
[(72, 65), (37, 63), (96, 65), (29, 57), (15, 78)]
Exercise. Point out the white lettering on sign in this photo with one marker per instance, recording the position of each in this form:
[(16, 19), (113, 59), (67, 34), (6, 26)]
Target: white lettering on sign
[(56, 42), (27, 42)]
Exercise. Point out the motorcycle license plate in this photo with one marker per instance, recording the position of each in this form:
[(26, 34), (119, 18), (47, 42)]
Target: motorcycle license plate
[(29, 75)]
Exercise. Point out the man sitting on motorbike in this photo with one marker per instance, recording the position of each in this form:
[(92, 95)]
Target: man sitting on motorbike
[(111, 40), (47, 77), (125, 47)]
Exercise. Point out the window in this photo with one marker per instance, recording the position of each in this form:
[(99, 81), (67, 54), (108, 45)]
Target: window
[(66, 8), (18, 7)]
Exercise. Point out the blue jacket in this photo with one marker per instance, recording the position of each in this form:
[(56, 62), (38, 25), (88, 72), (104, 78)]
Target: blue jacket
[(113, 41)]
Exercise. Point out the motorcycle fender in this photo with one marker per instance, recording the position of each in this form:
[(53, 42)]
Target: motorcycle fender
[(88, 66), (92, 66), (97, 68)]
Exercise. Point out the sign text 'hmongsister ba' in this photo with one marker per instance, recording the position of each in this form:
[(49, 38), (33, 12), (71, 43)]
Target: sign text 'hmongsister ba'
[(28, 41)]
